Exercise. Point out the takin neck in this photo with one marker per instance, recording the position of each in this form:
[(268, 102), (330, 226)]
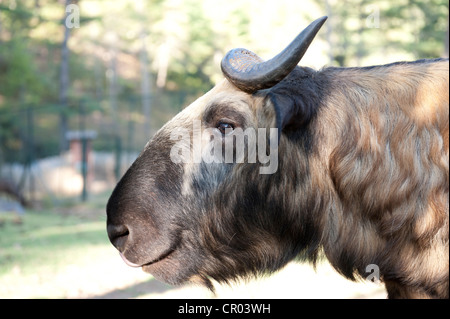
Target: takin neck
[(368, 173)]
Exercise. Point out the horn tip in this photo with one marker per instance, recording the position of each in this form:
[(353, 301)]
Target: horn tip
[(320, 21)]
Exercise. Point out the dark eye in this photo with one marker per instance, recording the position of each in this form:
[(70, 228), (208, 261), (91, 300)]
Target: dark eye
[(225, 128)]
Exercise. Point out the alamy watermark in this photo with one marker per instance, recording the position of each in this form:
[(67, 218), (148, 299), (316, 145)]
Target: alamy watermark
[(373, 19), (374, 273), (72, 16), (209, 145)]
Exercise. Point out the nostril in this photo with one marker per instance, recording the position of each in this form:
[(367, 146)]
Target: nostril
[(118, 235)]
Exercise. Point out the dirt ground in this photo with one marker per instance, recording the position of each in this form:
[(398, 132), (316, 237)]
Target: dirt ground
[(297, 281), (293, 282), (100, 273), (300, 281)]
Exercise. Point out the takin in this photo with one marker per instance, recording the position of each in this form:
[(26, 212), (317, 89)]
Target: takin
[(359, 173)]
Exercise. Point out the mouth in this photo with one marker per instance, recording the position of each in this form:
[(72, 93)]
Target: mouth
[(160, 258)]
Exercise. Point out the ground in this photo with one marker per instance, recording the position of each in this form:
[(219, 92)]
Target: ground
[(65, 253)]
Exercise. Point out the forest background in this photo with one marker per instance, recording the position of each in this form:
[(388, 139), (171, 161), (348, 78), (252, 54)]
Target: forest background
[(128, 66)]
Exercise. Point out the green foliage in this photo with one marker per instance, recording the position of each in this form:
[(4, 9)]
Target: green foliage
[(362, 30), (19, 74)]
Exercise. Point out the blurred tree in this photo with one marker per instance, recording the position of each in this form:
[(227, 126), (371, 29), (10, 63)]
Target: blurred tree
[(359, 29), (64, 80), (426, 21), (19, 75)]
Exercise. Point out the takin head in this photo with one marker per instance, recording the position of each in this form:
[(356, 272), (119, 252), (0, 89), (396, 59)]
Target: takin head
[(269, 166)]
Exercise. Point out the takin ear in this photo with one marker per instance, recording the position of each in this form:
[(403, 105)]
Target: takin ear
[(294, 108)]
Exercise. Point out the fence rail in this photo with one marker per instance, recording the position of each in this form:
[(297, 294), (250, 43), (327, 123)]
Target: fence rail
[(101, 143)]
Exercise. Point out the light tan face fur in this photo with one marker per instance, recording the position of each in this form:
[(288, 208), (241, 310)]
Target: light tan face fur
[(227, 103)]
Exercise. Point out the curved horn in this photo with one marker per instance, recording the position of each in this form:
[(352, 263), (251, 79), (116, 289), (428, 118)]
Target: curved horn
[(249, 73)]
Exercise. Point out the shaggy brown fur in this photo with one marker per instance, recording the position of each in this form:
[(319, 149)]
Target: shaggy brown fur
[(385, 132), (362, 175)]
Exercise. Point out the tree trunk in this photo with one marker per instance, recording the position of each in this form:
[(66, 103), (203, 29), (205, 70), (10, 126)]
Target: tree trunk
[(145, 86), (8, 187), (64, 83)]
